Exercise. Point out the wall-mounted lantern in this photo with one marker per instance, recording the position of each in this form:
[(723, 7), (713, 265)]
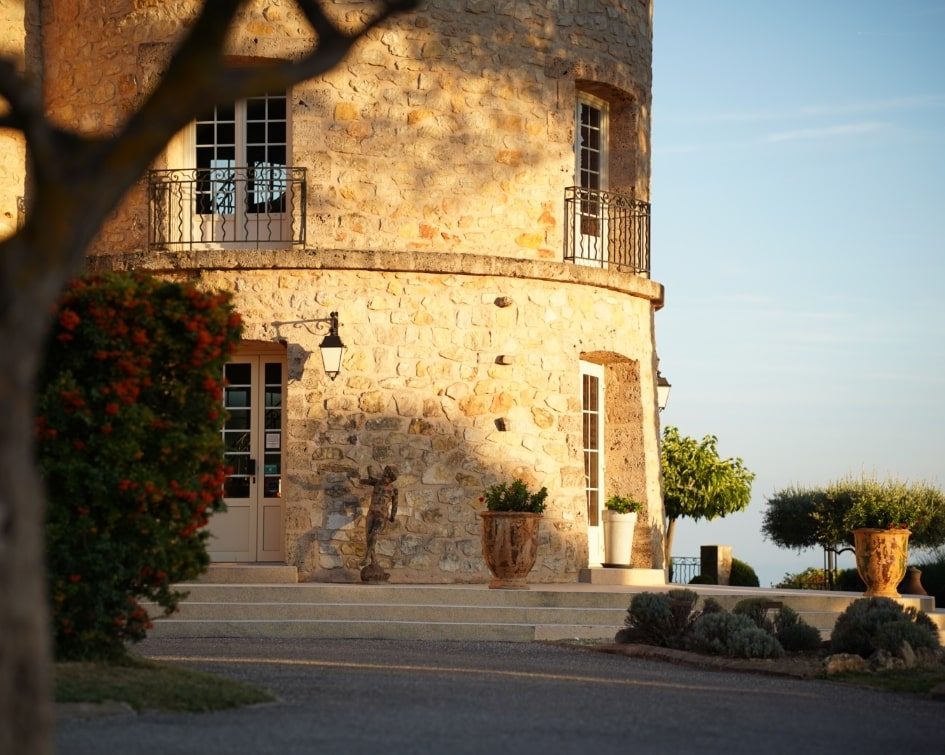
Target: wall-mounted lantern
[(332, 348), (662, 390)]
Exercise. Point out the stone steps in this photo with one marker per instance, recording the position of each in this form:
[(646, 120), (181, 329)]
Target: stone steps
[(449, 612)]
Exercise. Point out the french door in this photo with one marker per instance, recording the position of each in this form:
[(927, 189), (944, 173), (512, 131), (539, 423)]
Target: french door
[(242, 179), (252, 528), (592, 416)]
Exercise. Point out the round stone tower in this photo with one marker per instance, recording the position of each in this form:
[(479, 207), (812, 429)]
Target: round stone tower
[(469, 192)]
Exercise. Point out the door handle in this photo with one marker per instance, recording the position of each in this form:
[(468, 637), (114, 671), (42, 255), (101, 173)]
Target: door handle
[(252, 469)]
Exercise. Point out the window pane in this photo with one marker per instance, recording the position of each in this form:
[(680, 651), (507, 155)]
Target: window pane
[(236, 441), (205, 133), (277, 107), (226, 133), (272, 487), (238, 373), (276, 132), (204, 156), (256, 155), (255, 133), (226, 112), (236, 397), (273, 373), (238, 464), (238, 419), (256, 109), (236, 487)]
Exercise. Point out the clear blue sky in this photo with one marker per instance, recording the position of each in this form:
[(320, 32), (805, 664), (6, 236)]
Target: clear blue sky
[(799, 228)]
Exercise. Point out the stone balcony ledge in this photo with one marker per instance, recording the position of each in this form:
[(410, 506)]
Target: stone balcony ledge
[(438, 263)]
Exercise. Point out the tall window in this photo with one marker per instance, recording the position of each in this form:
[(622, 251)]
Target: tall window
[(591, 147), (590, 153), (592, 416), (241, 158), (593, 430)]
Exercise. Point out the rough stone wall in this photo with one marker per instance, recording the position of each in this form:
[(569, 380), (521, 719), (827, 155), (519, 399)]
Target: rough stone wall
[(449, 130), (434, 362), (12, 146)]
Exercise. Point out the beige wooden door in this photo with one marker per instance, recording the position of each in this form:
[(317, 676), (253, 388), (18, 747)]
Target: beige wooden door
[(252, 528)]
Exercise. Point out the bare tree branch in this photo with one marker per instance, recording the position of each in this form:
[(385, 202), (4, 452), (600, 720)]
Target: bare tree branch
[(333, 45)]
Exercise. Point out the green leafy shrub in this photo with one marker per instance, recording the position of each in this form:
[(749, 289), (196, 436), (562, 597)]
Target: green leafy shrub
[(795, 634), (891, 636), (756, 609), (811, 578), (623, 505), (128, 439), (754, 643), (711, 605), (702, 579), (659, 618), (742, 575), (787, 627), (858, 628), (731, 634), (515, 497)]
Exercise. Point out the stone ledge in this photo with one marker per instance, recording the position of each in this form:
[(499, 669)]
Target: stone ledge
[(621, 576), (442, 263)]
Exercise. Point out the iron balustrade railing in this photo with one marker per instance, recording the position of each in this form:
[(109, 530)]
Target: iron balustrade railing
[(262, 206), (606, 229), (683, 568)]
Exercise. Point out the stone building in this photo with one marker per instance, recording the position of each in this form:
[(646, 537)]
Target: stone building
[(469, 192)]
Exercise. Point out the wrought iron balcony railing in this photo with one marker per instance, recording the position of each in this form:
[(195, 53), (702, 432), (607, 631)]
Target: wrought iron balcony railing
[(683, 568), (606, 229), (262, 206)]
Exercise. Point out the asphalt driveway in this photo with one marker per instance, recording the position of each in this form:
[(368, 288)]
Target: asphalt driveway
[(365, 696)]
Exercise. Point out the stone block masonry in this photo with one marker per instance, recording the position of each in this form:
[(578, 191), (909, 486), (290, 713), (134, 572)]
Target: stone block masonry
[(436, 356), (451, 129)]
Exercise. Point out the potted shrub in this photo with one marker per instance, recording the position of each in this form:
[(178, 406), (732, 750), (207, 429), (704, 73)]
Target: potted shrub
[(510, 532), (620, 519), (881, 516)]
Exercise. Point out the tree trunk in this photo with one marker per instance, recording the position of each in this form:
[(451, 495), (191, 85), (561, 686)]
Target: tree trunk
[(668, 544), (26, 713)]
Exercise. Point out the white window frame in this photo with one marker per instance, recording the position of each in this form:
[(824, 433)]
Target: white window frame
[(595, 496), (590, 220), (236, 227)]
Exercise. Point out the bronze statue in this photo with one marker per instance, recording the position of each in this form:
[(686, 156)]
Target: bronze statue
[(384, 493)]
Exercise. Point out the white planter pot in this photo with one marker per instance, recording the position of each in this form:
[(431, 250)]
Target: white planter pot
[(618, 538)]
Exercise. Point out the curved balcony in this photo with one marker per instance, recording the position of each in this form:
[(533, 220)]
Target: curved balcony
[(258, 207), (606, 229)]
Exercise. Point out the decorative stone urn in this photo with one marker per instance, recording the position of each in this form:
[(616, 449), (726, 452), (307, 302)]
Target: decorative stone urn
[(509, 546), (881, 559), (618, 538)]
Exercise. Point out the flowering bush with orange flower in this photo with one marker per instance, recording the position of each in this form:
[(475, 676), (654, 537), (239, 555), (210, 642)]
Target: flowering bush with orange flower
[(128, 436)]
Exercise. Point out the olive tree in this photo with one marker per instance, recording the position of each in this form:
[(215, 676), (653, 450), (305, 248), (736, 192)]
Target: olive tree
[(801, 518), (75, 182), (697, 483)]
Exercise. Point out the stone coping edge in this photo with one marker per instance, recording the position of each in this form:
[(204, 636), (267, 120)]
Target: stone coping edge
[(443, 263)]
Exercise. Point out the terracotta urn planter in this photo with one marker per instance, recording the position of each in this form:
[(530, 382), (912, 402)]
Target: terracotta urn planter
[(618, 538), (509, 546), (881, 559)]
